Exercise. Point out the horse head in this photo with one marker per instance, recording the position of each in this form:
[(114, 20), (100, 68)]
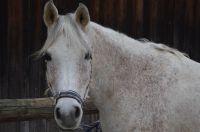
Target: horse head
[(68, 61)]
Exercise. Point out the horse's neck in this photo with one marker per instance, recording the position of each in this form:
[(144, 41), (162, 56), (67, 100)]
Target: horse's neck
[(113, 55)]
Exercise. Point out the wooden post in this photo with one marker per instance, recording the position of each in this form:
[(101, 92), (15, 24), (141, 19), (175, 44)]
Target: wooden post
[(31, 109)]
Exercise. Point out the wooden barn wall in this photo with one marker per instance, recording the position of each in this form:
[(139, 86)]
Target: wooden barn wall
[(22, 32)]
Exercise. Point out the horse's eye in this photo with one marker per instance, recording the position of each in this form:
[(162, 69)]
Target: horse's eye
[(88, 56), (47, 57)]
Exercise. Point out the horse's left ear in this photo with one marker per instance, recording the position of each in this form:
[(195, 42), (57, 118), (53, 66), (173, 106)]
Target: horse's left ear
[(82, 15), (50, 13)]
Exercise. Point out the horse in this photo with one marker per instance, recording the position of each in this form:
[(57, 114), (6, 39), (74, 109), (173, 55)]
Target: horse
[(137, 86)]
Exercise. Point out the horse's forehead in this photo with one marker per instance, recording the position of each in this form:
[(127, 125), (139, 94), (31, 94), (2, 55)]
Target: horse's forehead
[(63, 27), (72, 37), (74, 33)]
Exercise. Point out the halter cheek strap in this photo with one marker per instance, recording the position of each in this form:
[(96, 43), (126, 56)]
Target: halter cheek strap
[(70, 94)]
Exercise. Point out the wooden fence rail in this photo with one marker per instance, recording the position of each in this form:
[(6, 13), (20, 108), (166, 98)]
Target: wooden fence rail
[(31, 109)]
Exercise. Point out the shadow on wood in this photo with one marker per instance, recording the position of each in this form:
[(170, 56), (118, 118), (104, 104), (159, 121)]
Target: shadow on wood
[(31, 109)]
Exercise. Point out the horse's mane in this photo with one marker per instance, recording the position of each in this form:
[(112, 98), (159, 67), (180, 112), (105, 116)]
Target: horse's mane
[(163, 48), (53, 34), (157, 46)]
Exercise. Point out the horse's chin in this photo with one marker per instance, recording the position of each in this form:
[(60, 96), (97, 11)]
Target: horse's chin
[(68, 128)]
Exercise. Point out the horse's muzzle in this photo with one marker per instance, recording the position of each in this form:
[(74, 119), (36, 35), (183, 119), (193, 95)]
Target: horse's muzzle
[(68, 113)]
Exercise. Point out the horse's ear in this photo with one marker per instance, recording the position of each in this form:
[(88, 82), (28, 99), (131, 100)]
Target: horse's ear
[(82, 15), (50, 13)]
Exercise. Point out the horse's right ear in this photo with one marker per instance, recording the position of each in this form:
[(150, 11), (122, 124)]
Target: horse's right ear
[(50, 13)]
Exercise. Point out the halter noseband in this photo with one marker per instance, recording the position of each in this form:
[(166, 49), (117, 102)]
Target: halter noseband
[(70, 94)]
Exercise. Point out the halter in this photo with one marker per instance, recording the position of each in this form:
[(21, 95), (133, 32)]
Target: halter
[(69, 94)]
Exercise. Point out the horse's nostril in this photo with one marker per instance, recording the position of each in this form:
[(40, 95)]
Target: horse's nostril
[(58, 115), (77, 112)]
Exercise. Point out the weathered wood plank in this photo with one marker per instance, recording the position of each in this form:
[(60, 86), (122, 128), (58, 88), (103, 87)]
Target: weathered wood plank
[(32, 109)]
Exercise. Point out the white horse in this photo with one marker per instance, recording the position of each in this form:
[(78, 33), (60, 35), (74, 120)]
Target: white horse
[(137, 86)]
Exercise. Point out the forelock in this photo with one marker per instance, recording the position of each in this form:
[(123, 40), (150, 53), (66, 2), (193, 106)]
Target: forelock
[(75, 31), (71, 30)]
